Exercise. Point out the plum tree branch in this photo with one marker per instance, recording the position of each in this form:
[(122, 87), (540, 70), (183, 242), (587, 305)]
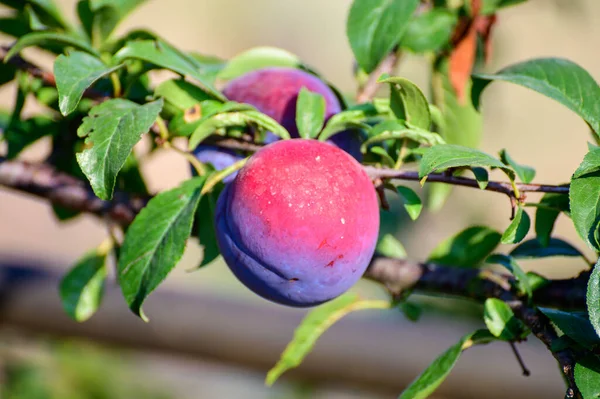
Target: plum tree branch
[(397, 275), (367, 91)]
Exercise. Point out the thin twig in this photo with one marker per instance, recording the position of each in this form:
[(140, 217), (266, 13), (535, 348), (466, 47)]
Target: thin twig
[(387, 65), (524, 368), (500, 187)]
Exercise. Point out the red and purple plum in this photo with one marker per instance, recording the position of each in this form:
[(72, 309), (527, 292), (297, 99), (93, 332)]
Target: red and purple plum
[(274, 92), (299, 223), (220, 158)]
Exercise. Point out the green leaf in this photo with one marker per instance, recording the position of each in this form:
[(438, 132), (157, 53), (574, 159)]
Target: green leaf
[(19, 134), (258, 58), (550, 206), (593, 298), (389, 246), (559, 79), (107, 14), (386, 159), (349, 119), (205, 228), (518, 228), (576, 325), (314, 325), (396, 130), (112, 128), (444, 156), (584, 198), (408, 102), (525, 173), (532, 249), (509, 263), (460, 124), (374, 28), (430, 31), (489, 7), (241, 118), (165, 56), (412, 202), (587, 377), (180, 95), (41, 39), (482, 177), (310, 113), (501, 321), (468, 248), (428, 381), (155, 241), (49, 13), (75, 73), (82, 288)]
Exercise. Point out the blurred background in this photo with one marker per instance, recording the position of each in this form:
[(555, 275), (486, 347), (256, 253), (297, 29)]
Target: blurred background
[(211, 338)]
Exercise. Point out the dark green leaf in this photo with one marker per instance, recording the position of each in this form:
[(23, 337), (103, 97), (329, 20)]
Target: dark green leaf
[(310, 113), (525, 173), (412, 202), (509, 263), (14, 26), (113, 128), (349, 119), (430, 31), (75, 73), (386, 159), (49, 13), (34, 21), (258, 58), (444, 156), (408, 102), (587, 377), (559, 79), (532, 249), (501, 321), (165, 56), (374, 28), (547, 212), (593, 298), (240, 118), (205, 216), (82, 288), (314, 325), (19, 134), (482, 177), (389, 246), (584, 198), (575, 325), (468, 248), (43, 38), (426, 383), (155, 241), (180, 95), (518, 228), (411, 311)]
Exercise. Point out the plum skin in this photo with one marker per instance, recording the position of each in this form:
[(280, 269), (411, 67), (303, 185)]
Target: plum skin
[(299, 224), (274, 92), (220, 158)]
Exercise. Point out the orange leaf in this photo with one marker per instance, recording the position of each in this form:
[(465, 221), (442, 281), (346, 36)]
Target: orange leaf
[(461, 62), (484, 26)]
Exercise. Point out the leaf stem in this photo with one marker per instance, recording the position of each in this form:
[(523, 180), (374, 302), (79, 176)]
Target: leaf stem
[(114, 78), (219, 176)]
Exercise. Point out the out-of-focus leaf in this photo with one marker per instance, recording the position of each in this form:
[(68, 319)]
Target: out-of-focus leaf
[(43, 38), (310, 113), (314, 325), (525, 173), (509, 263), (408, 102), (389, 246), (468, 248), (412, 202), (430, 31), (584, 199), (550, 206), (593, 298), (258, 58), (501, 321), (576, 325), (532, 249)]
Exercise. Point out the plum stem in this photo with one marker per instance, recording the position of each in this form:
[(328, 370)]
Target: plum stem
[(219, 176)]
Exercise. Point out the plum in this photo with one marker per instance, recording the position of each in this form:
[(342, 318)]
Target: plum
[(274, 92), (299, 223), (220, 158)]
